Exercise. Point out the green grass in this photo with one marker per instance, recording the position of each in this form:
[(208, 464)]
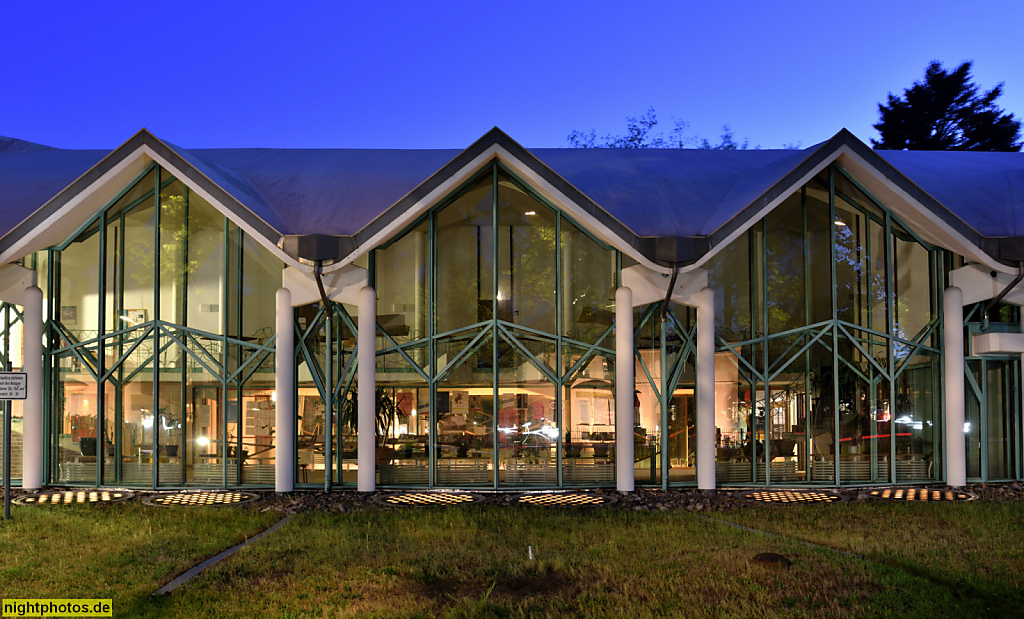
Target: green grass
[(472, 561), (122, 552), (974, 550)]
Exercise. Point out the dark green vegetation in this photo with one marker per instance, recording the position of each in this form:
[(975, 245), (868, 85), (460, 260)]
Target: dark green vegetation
[(947, 111), (473, 561)]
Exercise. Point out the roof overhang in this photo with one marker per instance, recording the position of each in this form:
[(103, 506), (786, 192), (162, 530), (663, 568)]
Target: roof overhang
[(656, 253), (64, 214), (927, 218), (60, 217)]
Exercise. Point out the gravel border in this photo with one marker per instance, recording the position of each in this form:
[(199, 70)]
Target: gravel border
[(675, 499)]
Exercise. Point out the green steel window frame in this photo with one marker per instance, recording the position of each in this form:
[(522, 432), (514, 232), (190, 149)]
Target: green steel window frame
[(230, 376), (494, 329), (830, 332)]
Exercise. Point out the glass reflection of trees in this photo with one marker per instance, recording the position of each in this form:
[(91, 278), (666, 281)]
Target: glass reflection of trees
[(161, 343), (513, 284), (825, 309)]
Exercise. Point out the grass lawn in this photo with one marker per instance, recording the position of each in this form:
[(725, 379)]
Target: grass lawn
[(118, 551), (473, 561)]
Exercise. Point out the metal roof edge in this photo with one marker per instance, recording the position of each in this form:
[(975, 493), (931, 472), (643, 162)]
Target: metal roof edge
[(665, 251), (827, 152), (226, 199), (142, 139), (922, 197), (74, 188)]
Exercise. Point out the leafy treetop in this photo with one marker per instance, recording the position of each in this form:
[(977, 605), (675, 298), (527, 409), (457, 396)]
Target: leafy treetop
[(640, 134), (947, 111)]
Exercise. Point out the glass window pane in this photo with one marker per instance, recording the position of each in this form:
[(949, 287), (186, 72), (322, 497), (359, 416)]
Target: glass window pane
[(681, 436), (729, 276), (465, 258), (878, 266), (528, 429), (262, 274), (74, 418), (819, 249), (588, 285), (171, 419), (200, 446), (141, 190), (914, 418), (785, 266), (864, 418), (401, 273), (464, 421), (137, 291), (114, 269), (912, 284), (853, 285), (133, 402), (173, 212), (1000, 376), (259, 412), (733, 421), (787, 446), (972, 420), (205, 266), (79, 286), (527, 258), (312, 416), (588, 405)]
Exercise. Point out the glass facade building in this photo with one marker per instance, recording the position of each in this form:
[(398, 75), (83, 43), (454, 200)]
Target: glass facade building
[(522, 336)]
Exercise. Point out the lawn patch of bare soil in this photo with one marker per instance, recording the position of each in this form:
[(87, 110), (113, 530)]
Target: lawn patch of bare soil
[(444, 590)]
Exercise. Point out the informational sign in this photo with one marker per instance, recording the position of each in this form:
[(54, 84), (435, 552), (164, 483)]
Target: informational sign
[(13, 386)]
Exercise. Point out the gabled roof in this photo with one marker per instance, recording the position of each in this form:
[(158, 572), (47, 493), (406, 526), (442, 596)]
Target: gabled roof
[(986, 190), (668, 205)]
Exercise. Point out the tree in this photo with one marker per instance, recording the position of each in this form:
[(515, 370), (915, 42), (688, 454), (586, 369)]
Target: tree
[(640, 134), (947, 111)]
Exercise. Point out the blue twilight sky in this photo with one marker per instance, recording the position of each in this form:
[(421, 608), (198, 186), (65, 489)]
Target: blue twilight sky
[(440, 74)]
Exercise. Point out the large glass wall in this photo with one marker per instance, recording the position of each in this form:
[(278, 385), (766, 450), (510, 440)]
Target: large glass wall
[(495, 366), (326, 381), (827, 367), (160, 334), (992, 386), (664, 395), (495, 352)]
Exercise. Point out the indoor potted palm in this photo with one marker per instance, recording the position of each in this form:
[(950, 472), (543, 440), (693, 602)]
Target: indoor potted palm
[(386, 414)]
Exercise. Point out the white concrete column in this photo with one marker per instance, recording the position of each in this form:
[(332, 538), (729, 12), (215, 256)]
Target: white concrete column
[(32, 350), (625, 383), (284, 378), (367, 345), (706, 389), (955, 458)]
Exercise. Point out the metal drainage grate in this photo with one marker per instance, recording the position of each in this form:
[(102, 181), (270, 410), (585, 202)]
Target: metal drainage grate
[(791, 496), (201, 498), (421, 499), (69, 497), (566, 499), (920, 495)]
